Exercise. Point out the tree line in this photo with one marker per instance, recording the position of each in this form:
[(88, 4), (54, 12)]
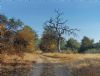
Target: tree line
[(15, 36)]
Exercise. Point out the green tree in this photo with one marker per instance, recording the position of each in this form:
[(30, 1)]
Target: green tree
[(3, 19), (72, 44), (86, 44), (14, 24), (96, 45)]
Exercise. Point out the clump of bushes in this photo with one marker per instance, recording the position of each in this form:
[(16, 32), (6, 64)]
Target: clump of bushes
[(15, 36)]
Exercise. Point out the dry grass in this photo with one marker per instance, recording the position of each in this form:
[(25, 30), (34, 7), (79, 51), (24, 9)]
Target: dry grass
[(20, 64), (72, 56), (79, 64), (63, 55), (18, 58)]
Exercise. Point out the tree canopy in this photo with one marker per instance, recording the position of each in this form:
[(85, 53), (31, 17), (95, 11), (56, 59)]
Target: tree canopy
[(59, 27), (86, 43), (73, 44), (15, 36)]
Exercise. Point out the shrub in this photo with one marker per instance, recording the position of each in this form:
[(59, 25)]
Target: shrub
[(69, 51), (92, 51)]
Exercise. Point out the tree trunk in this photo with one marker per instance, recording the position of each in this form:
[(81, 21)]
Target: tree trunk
[(59, 47)]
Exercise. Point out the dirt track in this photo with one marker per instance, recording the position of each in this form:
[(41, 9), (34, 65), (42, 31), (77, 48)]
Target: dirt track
[(46, 68)]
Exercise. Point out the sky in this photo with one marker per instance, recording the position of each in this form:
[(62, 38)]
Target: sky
[(81, 14)]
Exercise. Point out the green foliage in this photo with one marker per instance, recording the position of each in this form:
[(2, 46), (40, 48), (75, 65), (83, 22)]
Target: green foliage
[(14, 24), (93, 51), (96, 45), (63, 42), (86, 44), (72, 44), (48, 40), (3, 19), (70, 51), (14, 37)]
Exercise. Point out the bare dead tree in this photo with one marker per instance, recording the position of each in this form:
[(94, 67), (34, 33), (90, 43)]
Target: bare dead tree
[(60, 27)]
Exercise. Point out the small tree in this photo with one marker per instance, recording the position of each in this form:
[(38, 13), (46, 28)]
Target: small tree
[(72, 44), (60, 27), (86, 44), (96, 45), (23, 42), (48, 40)]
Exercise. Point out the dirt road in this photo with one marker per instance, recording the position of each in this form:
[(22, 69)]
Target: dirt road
[(38, 68), (46, 68), (62, 70)]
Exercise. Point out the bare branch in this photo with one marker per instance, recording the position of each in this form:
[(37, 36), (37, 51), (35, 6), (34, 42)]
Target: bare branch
[(59, 27)]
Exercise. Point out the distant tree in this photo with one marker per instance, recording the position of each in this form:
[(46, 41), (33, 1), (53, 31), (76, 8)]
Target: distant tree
[(73, 44), (86, 44), (60, 28), (96, 45), (48, 40)]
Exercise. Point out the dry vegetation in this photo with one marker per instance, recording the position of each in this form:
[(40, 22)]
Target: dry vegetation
[(79, 64), (18, 58), (20, 64)]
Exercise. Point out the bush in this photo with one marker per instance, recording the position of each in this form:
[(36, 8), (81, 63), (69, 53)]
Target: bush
[(69, 51), (93, 50)]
